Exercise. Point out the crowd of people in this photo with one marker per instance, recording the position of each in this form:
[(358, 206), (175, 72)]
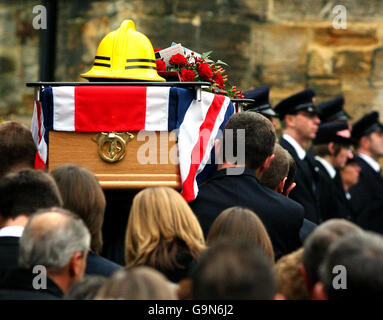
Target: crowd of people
[(300, 219)]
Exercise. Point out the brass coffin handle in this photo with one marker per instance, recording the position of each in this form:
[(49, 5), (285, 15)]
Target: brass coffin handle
[(112, 145)]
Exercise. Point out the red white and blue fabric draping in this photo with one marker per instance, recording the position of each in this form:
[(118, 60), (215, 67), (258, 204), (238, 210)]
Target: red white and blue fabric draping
[(134, 108)]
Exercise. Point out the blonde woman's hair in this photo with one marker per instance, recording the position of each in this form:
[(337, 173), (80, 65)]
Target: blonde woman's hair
[(161, 224)]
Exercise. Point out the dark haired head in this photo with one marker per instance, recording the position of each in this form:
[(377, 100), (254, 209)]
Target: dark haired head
[(17, 148), (277, 170), (259, 135), (318, 242), (233, 270), (25, 191), (360, 257), (82, 194)]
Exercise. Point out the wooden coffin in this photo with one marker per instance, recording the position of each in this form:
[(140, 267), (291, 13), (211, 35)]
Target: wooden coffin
[(146, 163)]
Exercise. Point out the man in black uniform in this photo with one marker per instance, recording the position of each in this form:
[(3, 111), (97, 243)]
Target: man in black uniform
[(367, 194), (331, 147), (300, 124), (261, 103), (237, 184), (332, 110)]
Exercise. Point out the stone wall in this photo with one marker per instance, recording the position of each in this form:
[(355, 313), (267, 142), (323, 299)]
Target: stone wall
[(290, 45), (19, 46)]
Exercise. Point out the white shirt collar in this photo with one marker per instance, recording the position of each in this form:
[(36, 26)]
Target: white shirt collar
[(298, 149), (348, 195), (371, 162), (329, 168), (12, 231)]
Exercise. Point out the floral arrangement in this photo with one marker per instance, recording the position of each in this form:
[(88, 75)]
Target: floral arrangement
[(201, 68)]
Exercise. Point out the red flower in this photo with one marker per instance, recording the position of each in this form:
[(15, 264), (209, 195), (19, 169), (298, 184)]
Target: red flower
[(160, 64), (219, 80), (178, 60), (187, 75), (204, 71)]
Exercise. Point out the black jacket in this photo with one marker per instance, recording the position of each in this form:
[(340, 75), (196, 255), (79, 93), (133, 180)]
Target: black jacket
[(367, 198), (332, 199), (9, 254), (97, 265), (306, 179), (281, 216), (19, 286)]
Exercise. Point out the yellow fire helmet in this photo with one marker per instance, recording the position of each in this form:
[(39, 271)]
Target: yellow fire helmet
[(125, 54)]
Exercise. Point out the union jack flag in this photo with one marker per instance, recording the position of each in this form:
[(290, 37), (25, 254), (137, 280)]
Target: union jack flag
[(134, 108)]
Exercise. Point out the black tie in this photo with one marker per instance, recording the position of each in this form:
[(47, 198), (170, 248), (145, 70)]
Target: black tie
[(309, 169)]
